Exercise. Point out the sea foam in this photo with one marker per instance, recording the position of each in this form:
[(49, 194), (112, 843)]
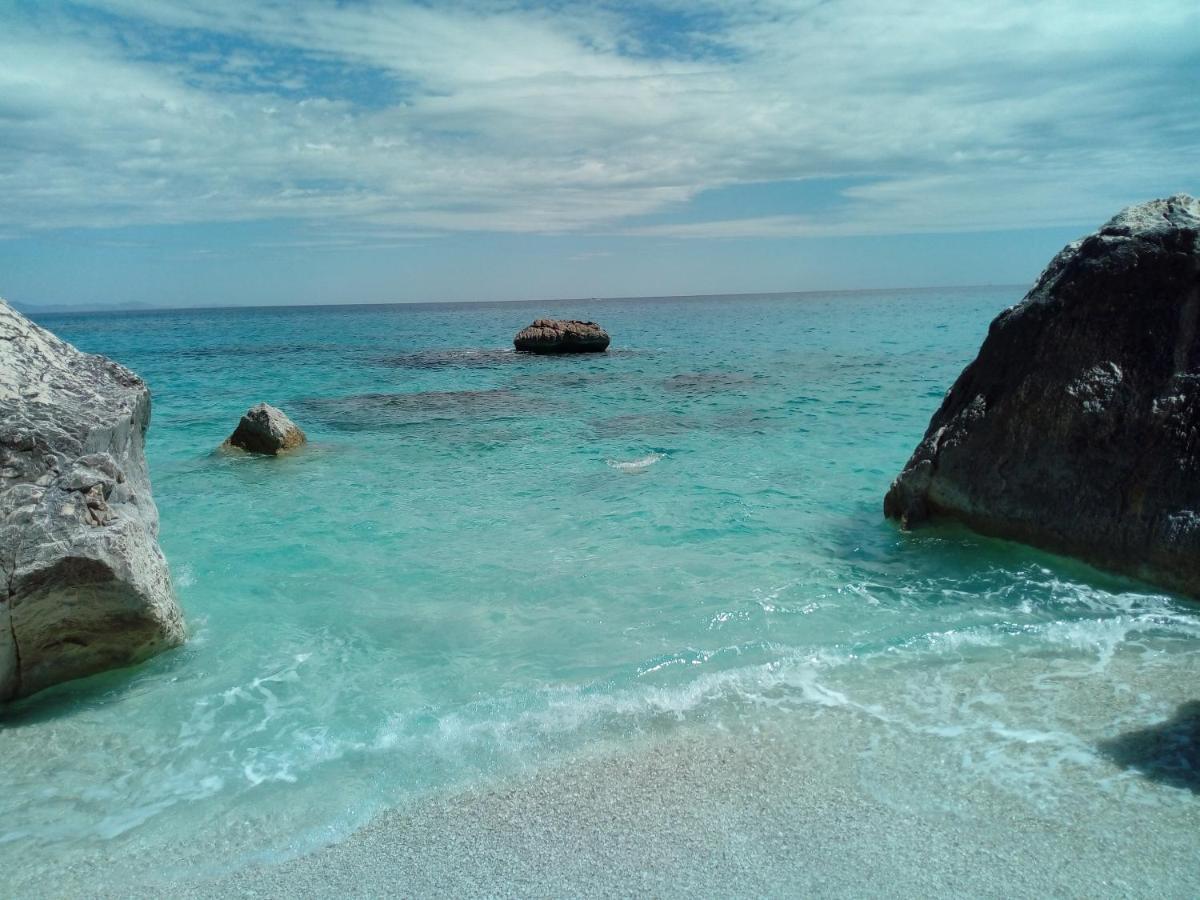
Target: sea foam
[(636, 466)]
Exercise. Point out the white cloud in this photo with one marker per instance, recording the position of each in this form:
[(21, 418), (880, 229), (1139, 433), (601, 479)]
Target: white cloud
[(961, 116)]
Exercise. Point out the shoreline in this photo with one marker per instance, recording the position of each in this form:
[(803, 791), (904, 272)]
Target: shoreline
[(800, 803)]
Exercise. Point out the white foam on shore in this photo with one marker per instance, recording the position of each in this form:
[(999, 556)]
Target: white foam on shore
[(928, 691), (829, 806), (1012, 709)]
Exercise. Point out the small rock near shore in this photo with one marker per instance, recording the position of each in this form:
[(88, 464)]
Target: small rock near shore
[(562, 336), (265, 429)]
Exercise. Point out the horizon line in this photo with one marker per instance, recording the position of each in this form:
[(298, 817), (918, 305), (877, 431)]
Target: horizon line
[(87, 308)]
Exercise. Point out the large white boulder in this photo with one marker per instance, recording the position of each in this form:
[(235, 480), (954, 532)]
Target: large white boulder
[(86, 587)]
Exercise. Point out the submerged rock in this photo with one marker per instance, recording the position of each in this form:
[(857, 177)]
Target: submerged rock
[(454, 358), (562, 336), (1077, 427), (265, 429), (367, 412), (87, 588)]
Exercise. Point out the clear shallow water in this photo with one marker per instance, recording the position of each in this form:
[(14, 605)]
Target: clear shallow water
[(487, 563)]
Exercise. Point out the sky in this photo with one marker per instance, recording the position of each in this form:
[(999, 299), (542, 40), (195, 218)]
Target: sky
[(229, 152)]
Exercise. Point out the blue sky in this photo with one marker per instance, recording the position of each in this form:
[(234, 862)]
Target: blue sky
[(229, 152)]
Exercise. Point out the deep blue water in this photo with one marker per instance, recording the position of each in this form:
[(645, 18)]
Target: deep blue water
[(485, 562)]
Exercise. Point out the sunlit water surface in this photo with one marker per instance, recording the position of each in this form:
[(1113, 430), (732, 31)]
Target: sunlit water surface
[(485, 563)]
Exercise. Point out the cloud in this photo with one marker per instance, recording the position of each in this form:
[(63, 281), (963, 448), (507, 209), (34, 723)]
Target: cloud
[(494, 116)]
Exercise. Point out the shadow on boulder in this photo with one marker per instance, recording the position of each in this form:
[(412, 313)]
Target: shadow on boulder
[(1168, 752), (267, 431)]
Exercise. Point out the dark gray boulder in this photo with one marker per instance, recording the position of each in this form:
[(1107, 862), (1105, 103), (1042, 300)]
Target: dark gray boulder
[(562, 336), (1077, 427), (265, 429), (86, 586)]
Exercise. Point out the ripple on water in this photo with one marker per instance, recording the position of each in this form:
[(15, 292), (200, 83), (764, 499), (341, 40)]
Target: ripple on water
[(704, 383), (454, 358)]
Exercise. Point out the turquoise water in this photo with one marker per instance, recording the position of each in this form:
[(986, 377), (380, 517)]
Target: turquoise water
[(487, 563)]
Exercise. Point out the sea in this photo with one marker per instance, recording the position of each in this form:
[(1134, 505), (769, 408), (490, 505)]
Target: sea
[(488, 572)]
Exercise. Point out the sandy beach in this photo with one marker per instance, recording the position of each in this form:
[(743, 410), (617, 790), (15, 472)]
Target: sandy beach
[(805, 805)]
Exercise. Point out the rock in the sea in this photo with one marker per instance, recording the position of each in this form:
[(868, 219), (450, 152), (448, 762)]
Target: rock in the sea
[(265, 429), (562, 336), (1077, 427), (86, 586)]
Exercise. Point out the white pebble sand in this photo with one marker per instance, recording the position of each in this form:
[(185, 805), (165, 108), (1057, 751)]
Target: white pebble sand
[(803, 805)]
